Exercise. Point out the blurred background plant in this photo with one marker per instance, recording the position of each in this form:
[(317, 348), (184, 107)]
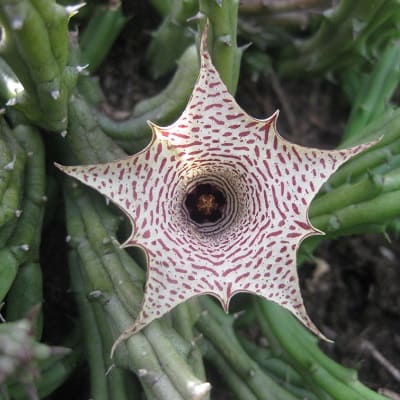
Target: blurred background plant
[(65, 253)]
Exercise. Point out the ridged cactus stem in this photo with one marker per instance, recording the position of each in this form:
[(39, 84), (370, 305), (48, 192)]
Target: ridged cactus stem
[(171, 38), (36, 48), (236, 384), (376, 92), (95, 328), (369, 216), (103, 28), (300, 349), (92, 338), (349, 33), (222, 44), (217, 328), (109, 282), (134, 133), (368, 188)]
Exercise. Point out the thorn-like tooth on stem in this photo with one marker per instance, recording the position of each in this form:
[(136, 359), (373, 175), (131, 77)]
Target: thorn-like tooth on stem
[(334, 222), (386, 236), (328, 13), (82, 69), (63, 133), (17, 23), (24, 247), (2, 111), (236, 315), (74, 9), (142, 372), (196, 339), (109, 369), (225, 39), (199, 390), (44, 199), (198, 16), (55, 94), (18, 213), (245, 47), (219, 3), (10, 165), (11, 102), (68, 238), (327, 187), (95, 294), (107, 201), (106, 240), (204, 313), (29, 154)]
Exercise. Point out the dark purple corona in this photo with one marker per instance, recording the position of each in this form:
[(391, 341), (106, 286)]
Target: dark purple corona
[(205, 203)]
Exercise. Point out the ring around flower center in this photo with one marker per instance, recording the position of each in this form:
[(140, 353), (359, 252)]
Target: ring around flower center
[(205, 203), (212, 200)]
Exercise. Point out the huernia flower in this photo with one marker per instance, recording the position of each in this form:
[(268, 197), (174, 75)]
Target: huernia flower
[(218, 201)]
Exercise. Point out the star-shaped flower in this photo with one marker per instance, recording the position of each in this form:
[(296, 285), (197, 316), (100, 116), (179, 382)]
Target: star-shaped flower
[(218, 201)]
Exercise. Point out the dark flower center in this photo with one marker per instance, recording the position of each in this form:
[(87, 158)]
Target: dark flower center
[(205, 203)]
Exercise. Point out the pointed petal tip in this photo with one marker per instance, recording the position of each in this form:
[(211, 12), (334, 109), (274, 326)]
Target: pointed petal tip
[(306, 321), (66, 169), (63, 168), (204, 54), (152, 124), (224, 301), (275, 115), (272, 120), (128, 243), (126, 334)]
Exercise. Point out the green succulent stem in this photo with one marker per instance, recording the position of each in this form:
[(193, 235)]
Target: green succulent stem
[(373, 97), (14, 178), (134, 133), (299, 348), (171, 38), (26, 293), (237, 385), (184, 325), (25, 238), (36, 48), (348, 35), (95, 328), (109, 282), (86, 140), (222, 45), (104, 26), (8, 271), (363, 195), (218, 330)]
